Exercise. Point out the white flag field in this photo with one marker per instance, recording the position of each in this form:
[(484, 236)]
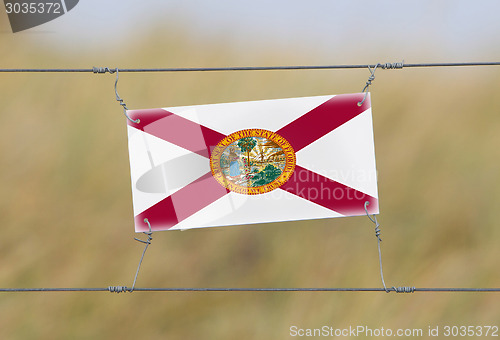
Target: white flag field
[(252, 162)]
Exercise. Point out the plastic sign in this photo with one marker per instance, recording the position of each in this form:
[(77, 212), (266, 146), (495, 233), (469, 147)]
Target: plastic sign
[(252, 162)]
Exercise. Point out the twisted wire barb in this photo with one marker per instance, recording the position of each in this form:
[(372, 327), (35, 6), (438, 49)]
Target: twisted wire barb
[(404, 289), (392, 66), (103, 70), (117, 289)]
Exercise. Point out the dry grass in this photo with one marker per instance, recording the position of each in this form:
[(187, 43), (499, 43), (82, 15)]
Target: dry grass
[(66, 210)]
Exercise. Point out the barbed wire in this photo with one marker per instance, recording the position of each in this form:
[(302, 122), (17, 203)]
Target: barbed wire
[(120, 289), (398, 65)]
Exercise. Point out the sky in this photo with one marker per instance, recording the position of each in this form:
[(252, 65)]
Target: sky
[(451, 30)]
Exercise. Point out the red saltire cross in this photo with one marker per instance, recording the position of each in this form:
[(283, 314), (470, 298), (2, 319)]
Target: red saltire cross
[(205, 190)]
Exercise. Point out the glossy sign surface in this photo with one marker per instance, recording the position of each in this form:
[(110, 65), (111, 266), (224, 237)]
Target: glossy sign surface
[(252, 162)]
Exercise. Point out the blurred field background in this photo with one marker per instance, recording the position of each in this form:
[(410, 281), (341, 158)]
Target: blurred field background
[(66, 207)]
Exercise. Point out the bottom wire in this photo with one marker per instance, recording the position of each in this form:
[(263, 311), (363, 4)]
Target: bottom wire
[(173, 289)]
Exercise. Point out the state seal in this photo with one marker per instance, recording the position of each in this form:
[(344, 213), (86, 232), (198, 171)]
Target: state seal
[(252, 161)]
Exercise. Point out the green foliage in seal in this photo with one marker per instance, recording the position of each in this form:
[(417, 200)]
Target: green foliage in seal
[(247, 144), (266, 176)]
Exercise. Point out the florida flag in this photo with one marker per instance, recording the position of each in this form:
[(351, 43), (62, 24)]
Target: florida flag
[(252, 162)]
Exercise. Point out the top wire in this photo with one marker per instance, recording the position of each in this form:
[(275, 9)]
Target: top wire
[(251, 68)]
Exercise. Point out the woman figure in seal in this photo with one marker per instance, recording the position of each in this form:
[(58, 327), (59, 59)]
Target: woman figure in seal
[(234, 164)]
